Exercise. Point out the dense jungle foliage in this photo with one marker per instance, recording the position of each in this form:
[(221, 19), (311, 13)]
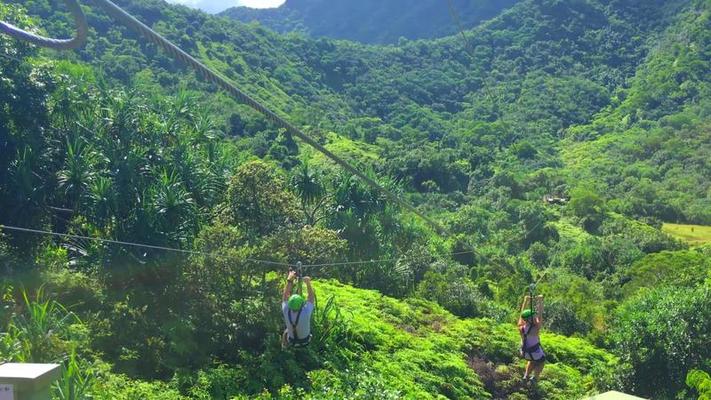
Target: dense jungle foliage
[(602, 102), (372, 21)]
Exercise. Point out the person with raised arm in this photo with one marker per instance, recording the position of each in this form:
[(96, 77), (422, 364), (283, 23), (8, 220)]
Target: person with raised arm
[(529, 327), (297, 312)]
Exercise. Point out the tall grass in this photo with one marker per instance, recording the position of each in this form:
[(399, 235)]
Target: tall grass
[(76, 381), (44, 329), (331, 327)]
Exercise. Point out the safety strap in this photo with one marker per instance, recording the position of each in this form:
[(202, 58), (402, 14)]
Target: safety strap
[(524, 341), (299, 274), (531, 293), (294, 324)]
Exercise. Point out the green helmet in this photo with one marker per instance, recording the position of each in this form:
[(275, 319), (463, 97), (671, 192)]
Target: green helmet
[(528, 313), (296, 301)]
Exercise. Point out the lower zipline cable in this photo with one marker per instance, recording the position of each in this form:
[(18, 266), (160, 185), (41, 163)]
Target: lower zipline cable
[(177, 53), (299, 266), (132, 244), (265, 262)]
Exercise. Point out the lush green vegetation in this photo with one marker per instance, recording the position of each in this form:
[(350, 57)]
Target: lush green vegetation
[(700, 381), (602, 102)]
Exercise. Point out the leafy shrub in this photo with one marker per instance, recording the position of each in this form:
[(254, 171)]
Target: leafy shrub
[(331, 327), (585, 258), (588, 206), (451, 288), (645, 237), (661, 334), (573, 305), (258, 200), (110, 386), (701, 382), (561, 317), (221, 382)]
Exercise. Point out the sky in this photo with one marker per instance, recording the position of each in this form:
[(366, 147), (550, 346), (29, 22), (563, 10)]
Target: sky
[(215, 6), (260, 3)]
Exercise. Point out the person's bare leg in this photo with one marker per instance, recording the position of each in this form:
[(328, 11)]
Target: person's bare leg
[(538, 368), (527, 373)]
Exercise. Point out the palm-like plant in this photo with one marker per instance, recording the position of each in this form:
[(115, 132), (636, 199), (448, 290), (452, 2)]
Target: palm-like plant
[(23, 178), (307, 184), (102, 201), (204, 130), (312, 193), (77, 173), (173, 208), (351, 193)]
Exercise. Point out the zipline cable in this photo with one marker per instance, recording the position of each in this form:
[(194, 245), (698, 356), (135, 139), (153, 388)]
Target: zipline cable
[(458, 22), (266, 262), (58, 44), (111, 241), (339, 264), (177, 53), (131, 244), (298, 266)]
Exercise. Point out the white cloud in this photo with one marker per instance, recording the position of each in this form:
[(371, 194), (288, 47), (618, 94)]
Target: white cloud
[(260, 3), (215, 6)]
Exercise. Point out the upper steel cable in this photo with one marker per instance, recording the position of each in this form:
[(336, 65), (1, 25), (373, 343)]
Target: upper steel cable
[(58, 44)]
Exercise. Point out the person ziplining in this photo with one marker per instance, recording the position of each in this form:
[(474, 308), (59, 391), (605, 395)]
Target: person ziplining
[(529, 327), (297, 312)]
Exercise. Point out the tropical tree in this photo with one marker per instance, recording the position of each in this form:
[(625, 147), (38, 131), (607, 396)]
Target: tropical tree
[(258, 201)]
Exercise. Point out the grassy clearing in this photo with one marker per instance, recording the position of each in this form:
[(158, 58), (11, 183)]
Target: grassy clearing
[(692, 234), (423, 351)]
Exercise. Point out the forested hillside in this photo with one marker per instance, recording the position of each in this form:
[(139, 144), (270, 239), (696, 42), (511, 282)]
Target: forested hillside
[(601, 105), (372, 21)]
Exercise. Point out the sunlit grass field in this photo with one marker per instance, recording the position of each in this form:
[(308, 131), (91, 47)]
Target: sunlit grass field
[(693, 234)]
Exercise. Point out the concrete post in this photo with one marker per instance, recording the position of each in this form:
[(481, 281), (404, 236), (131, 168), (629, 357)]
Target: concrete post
[(27, 381)]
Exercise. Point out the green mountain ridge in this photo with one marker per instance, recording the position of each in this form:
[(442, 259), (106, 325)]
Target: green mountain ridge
[(372, 21)]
